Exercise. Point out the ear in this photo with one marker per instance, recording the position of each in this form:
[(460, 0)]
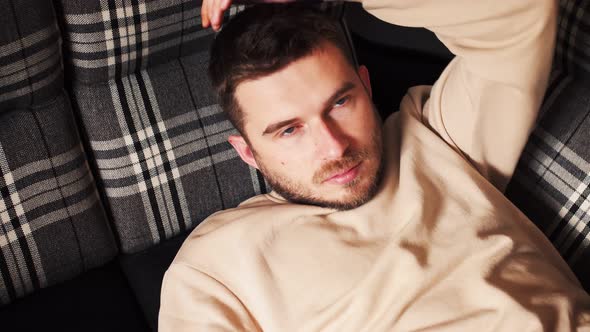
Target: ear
[(243, 149), (364, 75)]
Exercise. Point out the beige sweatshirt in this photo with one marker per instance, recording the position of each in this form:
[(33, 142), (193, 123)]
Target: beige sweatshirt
[(439, 248)]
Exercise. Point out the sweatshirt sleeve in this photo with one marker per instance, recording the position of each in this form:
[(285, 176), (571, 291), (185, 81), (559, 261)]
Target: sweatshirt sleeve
[(486, 101), (194, 301)]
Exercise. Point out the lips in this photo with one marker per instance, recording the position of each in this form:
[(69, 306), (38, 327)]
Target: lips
[(344, 177)]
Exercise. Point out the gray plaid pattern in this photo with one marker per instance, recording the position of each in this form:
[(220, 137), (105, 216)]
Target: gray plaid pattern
[(156, 176), (159, 143), (564, 180), (159, 153), (115, 38), (572, 53), (30, 57), (21, 269), (52, 225), (552, 179)]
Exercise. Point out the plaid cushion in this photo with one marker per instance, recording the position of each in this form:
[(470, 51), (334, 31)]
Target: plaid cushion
[(552, 180), (30, 58), (52, 225), (159, 143), (115, 38)]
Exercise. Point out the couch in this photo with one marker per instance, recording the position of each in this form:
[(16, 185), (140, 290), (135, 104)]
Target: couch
[(113, 148)]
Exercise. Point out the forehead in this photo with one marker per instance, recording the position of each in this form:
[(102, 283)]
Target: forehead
[(299, 88)]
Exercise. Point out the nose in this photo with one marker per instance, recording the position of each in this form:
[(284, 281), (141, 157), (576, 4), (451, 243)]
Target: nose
[(330, 141)]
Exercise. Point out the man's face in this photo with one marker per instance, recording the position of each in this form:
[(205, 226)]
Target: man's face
[(313, 131)]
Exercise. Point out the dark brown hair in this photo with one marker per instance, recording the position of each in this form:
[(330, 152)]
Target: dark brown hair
[(264, 39)]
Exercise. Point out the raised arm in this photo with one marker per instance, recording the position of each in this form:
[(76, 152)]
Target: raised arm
[(486, 101)]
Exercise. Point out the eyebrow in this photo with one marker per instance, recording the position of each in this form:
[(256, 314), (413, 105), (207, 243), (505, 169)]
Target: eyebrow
[(271, 128)]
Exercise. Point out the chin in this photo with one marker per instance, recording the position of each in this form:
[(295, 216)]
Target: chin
[(350, 200), (344, 197)]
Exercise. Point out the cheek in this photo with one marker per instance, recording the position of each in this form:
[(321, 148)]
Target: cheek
[(282, 160), (365, 125), (295, 153), (294, 166)]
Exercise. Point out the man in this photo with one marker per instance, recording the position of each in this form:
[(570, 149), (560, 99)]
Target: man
[(400, 226)]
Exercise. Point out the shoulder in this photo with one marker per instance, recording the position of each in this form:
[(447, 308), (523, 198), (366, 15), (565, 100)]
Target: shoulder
[(240, 232), (234, 218), (225, 231)]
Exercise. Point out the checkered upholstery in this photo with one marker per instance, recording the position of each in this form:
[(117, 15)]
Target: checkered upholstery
[(552, 181), (52, 224), (157, 136), (109, 39), (29, 55)]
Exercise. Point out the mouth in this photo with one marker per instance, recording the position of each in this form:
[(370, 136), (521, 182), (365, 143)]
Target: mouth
[(345, 177)]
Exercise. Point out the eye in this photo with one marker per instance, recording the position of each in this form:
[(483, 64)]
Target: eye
[(342, 101), (288, 132)]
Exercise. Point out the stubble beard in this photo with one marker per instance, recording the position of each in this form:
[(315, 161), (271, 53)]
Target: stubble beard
[(355, 197)]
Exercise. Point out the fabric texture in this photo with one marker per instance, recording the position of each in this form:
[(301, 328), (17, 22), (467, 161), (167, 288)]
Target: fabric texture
[(52, 224), (158, 137), (159, 142), (439, 248), (552, 181), (108, 39), (30, 56)]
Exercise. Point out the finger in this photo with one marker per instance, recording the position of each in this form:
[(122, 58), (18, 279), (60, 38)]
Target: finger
[(205, 14), (213, 14), (213, 10), (217, 15), (223, 5)]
